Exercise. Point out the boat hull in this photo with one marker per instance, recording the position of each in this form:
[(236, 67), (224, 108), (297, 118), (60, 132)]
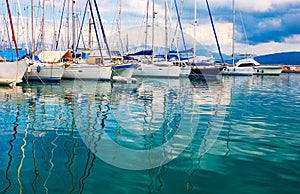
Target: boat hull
[(185, 71), (124, 70), (87, 72), (157, 71), (249, 66), (237, 71), (204, 71), (45, 72), (12, 72), (267, 70)]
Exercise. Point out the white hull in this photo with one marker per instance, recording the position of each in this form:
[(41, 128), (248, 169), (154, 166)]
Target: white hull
[(87, 72), (249, 66), (185, 71), (12, 72), (45, 72), (125, 70), (267, 70), (246, 71), (159, 70)]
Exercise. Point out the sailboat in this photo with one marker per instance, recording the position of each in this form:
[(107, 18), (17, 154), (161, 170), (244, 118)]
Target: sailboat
[(122, 68), (156, 67), (200, 68), (248, 66), (11, 72), (80, 68), (119, 66), (176, 56), (49, 66), (182, 62)]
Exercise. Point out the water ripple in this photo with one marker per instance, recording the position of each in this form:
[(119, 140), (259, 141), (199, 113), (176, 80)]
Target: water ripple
[(257, 148)]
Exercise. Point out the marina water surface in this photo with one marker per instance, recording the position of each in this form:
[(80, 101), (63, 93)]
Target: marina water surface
[(230, 135)]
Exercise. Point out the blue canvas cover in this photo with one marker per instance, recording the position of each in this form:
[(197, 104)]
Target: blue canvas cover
[(10, 54)]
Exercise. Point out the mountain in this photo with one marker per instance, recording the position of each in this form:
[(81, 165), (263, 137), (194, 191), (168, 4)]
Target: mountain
[(285, 58)]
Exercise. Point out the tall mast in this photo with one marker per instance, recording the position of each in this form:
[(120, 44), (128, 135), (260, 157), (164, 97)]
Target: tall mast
[(120, 26), (195, 25), (102, 29), (127, 49), (147, 17), (12, 28), (73, 25), (32, 30), (43, 29), (54, 24), (233, 27), (214, 30), (23, 26), (166, 31), (27, 24), (153, 16), (90, 31), (1, 35), (68, 24)]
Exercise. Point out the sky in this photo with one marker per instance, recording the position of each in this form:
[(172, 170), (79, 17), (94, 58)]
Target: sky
[(261, 26)]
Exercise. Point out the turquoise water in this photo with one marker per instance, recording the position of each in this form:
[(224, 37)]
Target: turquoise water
[(230, 135)]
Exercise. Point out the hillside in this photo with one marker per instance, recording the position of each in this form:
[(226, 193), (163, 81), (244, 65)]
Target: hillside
[(286, 58)]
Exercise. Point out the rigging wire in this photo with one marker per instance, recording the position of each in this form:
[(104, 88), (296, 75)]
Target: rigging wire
[(61, 19)]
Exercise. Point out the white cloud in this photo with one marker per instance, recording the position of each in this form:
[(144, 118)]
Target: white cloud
[(273, 47), (295, 39), (205, 35), (253, 5), (289, 44), (271, 23), (224, 30)]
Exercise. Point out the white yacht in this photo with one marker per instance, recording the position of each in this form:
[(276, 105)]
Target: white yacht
[(249, 66), (259, 69)]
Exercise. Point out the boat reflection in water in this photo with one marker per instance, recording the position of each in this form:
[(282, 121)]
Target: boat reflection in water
[(53, 134), (39, 140), (150, 123), (139, 117)]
